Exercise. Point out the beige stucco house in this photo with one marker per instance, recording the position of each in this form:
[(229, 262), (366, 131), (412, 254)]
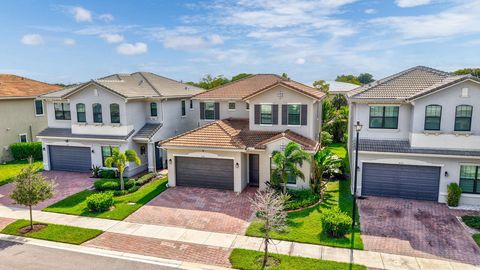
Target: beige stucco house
[(23, 115)]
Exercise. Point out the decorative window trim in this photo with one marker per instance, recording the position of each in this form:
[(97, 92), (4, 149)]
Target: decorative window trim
[(271, 114), (383, 117), (433, 117), (463, 117), (234, 106), (63, 111), (35, 107), (20, 137)]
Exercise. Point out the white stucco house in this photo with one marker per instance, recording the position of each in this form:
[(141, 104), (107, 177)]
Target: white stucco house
[(421, 131), (241, 124), (129, 111)]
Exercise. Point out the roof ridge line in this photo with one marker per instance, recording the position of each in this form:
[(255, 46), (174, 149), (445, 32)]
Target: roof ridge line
[(188, 132), (149, 83), (170, 79), (230, 82)]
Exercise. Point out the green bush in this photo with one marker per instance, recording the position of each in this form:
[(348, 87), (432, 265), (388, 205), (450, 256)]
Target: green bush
[(472, 221), (112, 184), (110, 174), (335, 222), (133, 189), (22, 151), (326, 138), (100, 202), (453, 194), (301, 198), (145, 179)]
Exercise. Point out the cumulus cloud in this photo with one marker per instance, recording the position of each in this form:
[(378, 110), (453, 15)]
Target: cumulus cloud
[(185, 38), (69, 41), (300, 61), (81, 14), (107, 17), (215, 39), (112, 38), (370, 11), (32, 39), (411, 3), (132, 48)]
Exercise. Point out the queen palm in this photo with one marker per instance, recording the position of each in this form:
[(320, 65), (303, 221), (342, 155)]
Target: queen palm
[(324, 163), (286, 163), (119, 161)]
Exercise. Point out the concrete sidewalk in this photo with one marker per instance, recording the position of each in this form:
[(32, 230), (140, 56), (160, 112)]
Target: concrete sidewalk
[(370, 259)]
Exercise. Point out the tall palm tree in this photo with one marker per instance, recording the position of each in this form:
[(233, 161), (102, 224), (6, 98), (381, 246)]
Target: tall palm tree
[(286, 163), (324, 163), (119, 160)]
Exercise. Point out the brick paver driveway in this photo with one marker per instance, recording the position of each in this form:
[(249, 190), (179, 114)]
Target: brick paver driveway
[(68, 183), (198, 208), (415, 228)]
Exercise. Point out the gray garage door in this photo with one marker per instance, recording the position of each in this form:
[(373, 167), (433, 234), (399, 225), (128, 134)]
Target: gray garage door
[(204, 172), (68, 158), (401, 181)]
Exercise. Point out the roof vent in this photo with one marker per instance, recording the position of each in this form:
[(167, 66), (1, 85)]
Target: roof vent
[(186, 88), (140, 82), (464, 92)]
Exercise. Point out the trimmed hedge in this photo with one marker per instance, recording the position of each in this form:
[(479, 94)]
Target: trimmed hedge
[(110, 174), (453, 194), (22, 151), (335, 222), (100, 202), (145, 179), (112, 184), (301, 198), (472, 221)]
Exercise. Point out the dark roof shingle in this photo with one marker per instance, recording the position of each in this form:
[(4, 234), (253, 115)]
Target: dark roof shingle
[(147, 131)]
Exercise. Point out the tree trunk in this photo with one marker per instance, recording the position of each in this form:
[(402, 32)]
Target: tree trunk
[(31, 218), (265, 256), (122, 185)]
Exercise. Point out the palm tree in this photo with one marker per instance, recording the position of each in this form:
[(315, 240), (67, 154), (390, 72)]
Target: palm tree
[(324, 163), (286, 163), (119, 160)]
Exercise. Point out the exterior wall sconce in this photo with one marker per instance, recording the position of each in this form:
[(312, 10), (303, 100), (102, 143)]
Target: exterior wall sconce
[(170, 161), (43, 148), (237, 165), (446, 173), (93, 151), (142, 150)]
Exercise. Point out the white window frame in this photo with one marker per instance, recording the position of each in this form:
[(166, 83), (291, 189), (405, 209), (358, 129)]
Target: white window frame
[(35, 107), (234, 105), (266, 125), (205, 110), (20, 137), (300, 114)]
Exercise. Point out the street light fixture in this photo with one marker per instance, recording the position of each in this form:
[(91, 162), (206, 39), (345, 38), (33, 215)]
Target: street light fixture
[(358, 128)]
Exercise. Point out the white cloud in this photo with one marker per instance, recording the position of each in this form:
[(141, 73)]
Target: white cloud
[(107, 17), (112, 38), (32, 39), (81, 14), (131, 49), (300, 61), (215, 39), (183, 42), (185, 38), (370, 11), (412, 3), (69, 41)]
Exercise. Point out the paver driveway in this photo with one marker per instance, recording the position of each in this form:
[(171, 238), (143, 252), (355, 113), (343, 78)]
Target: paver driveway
[(415, 228), (199, 208), (68, 183)]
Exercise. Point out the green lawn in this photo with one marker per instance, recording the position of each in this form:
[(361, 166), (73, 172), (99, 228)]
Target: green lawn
[(249, 260), (476, 237), (54, 232), (76, 205), (11, 169), (305, 226)]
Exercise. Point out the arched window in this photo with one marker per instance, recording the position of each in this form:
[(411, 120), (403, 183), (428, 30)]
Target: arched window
[(81, 116), (153, 109), (97, 113), (114, 113), (463, 118), (433, 117)]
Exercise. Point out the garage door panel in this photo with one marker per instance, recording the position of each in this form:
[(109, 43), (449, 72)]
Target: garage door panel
[(68, 158), (204, 172), (402, 181)]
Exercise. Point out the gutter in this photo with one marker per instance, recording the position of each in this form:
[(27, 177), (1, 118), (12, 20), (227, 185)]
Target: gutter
[(82, 139)]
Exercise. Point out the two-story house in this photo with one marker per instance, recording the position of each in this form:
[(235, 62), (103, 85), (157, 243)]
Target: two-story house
[(126, 111), (241, 124), (421, 131), (23, 115)]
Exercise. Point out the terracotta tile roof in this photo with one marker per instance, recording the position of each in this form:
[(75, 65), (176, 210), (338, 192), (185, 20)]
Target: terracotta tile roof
[(254, 84), (234, 134), (16, 86)]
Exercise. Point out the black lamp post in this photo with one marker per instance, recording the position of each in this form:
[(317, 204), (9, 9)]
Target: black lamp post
[(358, 128)]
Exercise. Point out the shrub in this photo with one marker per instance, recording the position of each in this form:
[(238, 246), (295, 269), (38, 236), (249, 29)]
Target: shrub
[(335, 223), (22, 151), (454, 192), (120, 192), (472, 221), (145, 179), (100, 202), (95, 171), (133, 189), (326, 138), (301, 198), (108, 174), (112, 184)]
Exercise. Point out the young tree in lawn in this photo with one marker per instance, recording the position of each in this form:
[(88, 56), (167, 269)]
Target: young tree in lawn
[(286, 163), (323, 163), (270, 209), (119, 160), (31, 188)]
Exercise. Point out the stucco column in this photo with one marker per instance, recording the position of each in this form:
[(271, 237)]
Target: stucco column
[(151, 157)]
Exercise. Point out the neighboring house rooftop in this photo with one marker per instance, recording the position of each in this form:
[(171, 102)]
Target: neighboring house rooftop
[(234, 134), (135, 85), (340, 87), (67, 133), (12, 86), (254, 84), (408, 84)]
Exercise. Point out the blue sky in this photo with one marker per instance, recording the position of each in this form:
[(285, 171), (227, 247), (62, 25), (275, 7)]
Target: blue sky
[(74, 41)]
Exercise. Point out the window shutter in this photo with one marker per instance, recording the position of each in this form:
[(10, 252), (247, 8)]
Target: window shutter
[(257, 114), (275, 114), (217, 111), (304, 114), (202, 110), (284, 114)]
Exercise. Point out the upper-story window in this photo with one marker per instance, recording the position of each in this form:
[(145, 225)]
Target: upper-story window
[(433, 117), (191, 104), (384, 117), (62, 111), (153, 109), (38, 107), (470, 178), (184, 112), (463, 118), (81, 116), (293, 114), (231, 106), (97, 113), (115, 113), (209, 110), (266, 116)]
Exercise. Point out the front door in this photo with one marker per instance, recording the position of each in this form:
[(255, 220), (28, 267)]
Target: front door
[(253, 166)]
